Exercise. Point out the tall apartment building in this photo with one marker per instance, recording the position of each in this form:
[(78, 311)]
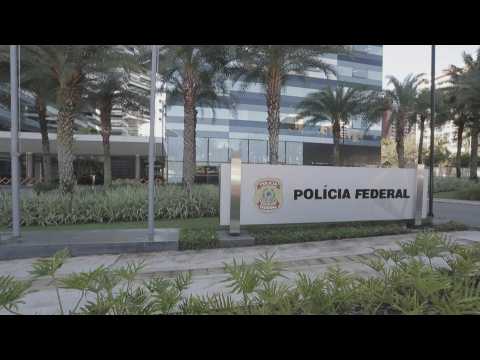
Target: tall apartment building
[(300, 144)]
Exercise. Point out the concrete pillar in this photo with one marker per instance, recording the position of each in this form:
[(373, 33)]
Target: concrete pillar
[(38, 170), (29, 164), (137, 167)]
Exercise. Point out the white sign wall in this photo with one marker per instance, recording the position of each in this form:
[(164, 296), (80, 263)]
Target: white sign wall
[(282, 194)]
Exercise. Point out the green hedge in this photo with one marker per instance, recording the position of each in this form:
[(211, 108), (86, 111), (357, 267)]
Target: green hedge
[(446, 184), (297, 234), (119, 204), (198, 239)]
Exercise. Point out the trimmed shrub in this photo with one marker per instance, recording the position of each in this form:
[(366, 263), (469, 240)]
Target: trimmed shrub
[(119, 204), (198, 239), (445, 184), (43, 187), (295, 234)]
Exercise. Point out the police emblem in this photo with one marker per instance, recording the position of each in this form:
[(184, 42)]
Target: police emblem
[(268, 194)]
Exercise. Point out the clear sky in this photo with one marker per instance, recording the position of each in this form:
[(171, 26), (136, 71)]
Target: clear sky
[(401, 60)]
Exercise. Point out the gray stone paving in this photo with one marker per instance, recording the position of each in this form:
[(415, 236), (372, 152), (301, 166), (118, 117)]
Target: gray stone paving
[(207, 265)]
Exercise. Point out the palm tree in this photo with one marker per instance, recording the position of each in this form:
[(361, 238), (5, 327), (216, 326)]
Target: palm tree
[(196, 75), (270, 65), (108, 88), (402, 98), (337, 105), (422, 113), (35, 81), (466, 84), (68, 67)]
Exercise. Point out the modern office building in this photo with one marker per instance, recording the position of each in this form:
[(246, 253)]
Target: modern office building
[(300, 144), (217, 133)]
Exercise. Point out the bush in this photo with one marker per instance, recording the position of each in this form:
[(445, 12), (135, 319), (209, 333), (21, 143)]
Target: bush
[(446, 184), (295, 234), (198, 239), (119, 204), (427, 276), (44, 187), (472, 193)]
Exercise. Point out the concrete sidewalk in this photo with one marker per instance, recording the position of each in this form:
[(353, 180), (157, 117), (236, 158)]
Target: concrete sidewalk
[(207, 265)]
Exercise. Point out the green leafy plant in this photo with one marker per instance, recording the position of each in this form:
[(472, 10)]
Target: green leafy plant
[(197, 239), (120, 204), (430, 275)]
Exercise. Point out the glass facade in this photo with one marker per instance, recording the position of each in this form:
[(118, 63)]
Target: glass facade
[(214, 152), (245, 129)]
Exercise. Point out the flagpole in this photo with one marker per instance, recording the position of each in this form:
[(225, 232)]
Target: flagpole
[(151, 146), (432, 137), (15, 168)]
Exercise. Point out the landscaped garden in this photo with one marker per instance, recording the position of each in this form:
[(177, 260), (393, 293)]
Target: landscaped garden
[(429, 275), (195, 214), (456, 188)]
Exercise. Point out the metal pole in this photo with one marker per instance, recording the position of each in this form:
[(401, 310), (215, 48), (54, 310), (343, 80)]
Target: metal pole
[(151, 146), (235, 194), (14, 155), (432, 137)]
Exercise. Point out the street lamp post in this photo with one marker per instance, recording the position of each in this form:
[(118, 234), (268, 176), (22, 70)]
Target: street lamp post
[(432, 138)]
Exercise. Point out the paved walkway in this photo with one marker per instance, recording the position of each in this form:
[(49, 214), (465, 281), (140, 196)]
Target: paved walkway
[(207, 266)]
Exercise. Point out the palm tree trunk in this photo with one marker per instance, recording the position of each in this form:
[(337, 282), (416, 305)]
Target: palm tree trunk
[(420, 142), (474, 152), (336, 142), (458, 160), (273, 95), (189, 138), (106, 124), (46, 156), (400, 140), (68, 98)]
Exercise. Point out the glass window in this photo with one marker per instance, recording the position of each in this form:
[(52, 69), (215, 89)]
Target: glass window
[(375, 75), (202, 150), (345, 71), (218, 150), (375, 50), (242, 145), (294, 153), (175, 148), (281, 152), (175, 171), (362, 48), (360, 73), (258, 152)]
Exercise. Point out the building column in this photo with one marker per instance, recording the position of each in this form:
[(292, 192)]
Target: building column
[(29, 164), (137, 167), (38, 170)]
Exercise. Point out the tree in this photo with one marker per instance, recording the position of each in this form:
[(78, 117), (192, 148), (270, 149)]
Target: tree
[(68, 67), (196, 75), (108, 88), (402, 98), (34, 80), (422, 113), (466, 84), (270, 65), (338, 106), (456, 111)]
